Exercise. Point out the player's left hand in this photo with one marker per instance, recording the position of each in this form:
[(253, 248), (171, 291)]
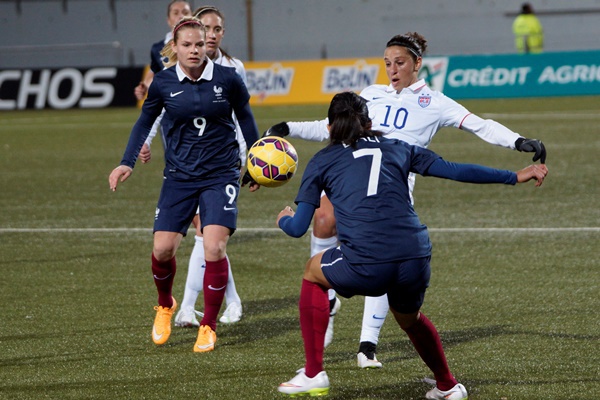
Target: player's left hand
[(530, 146), (145, 154), (535, 171)]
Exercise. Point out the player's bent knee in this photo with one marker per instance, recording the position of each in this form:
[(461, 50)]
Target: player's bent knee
[(324, 224)]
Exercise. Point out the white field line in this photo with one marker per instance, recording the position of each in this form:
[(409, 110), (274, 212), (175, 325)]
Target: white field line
[(77, 121), (574, 115), (258, 230)]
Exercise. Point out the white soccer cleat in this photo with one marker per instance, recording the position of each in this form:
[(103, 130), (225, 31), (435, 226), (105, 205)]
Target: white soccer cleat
[(329, 331), (458, 392), (365, 362), (366, 356), (186, 317), (232, 314), (302, 385)]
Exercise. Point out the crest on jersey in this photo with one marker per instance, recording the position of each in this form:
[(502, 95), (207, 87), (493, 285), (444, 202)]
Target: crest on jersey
[(424, 100), (218, 90)]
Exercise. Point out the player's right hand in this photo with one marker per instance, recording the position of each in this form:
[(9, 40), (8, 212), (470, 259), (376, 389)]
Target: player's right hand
[(119, 174), (535, 171), (281, 129)]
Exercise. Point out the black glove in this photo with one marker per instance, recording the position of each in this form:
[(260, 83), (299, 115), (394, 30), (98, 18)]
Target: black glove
[(247, 179), (532, 146), (281, 129)]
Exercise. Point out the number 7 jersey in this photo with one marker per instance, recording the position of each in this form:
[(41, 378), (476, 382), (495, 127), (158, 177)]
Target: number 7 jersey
[(368, 187)]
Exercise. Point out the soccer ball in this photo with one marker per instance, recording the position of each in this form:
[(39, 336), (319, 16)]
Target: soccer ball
[(272, 161)]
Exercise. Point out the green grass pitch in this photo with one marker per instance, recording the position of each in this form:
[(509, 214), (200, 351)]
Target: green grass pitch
[(514, 290)]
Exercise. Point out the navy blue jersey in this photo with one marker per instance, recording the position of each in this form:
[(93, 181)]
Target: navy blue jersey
[(197, 124), (368, 187)]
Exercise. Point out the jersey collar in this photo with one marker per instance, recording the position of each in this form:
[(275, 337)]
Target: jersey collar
[(207, 74), (414, 88), (168, 37)]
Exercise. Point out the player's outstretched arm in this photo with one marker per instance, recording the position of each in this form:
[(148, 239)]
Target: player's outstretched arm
[(315, 131), (473, 173), (532, 146), (535, 171), (119, 174)]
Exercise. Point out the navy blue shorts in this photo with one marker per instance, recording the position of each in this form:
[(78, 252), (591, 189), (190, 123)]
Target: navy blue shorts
[(404, 282), (179, 202)]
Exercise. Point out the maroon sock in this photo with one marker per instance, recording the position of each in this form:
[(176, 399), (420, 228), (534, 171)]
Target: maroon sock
[(215, 283), (164, 274), (314, 317), (427, 342)]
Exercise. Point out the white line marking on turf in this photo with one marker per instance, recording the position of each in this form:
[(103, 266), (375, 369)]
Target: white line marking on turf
[(545, 115), (258, 230)]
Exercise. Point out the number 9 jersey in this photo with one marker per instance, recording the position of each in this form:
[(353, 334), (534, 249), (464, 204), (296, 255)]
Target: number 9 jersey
[(197, 124)]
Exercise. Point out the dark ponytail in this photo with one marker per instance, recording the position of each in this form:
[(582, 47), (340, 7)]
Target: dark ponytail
[(349, 119)]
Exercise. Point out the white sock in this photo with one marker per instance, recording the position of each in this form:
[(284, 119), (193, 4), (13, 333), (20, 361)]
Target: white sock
[(317, 245), (195, 276), (331, 294), (231, 295), (375, 311)]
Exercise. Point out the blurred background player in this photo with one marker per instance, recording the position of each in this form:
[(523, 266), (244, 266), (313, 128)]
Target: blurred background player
[(202, 169), (384, 248), (176, 9), (406, 109), (528, 31)]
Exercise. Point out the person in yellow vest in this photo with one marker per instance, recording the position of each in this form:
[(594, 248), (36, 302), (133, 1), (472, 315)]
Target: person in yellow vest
[(529, 34)]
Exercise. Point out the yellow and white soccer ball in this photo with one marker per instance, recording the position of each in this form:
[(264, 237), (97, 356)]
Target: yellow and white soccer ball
[(272, 161)]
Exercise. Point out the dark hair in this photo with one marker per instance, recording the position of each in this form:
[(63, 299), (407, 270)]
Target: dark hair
[(416, 44), (526, 8), (201, 11), (349, 119)]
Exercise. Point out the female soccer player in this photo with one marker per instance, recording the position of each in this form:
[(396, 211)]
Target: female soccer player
[(213, 21), (202, 169), (367, 179), (409, 110), (176, 9)]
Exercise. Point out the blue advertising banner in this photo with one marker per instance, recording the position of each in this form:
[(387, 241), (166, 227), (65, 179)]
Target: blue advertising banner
[(523, 75)]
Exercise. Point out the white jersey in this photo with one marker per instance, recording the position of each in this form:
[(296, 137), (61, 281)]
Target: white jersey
[(241, 71), (414, 115)]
